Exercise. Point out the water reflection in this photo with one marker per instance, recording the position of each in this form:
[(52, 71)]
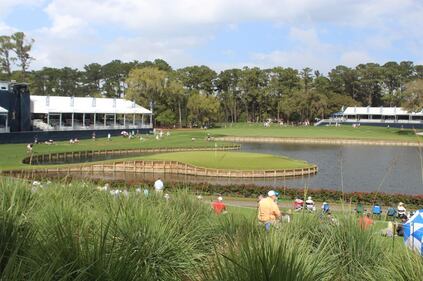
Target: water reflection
[(347, 167), (354, 167)]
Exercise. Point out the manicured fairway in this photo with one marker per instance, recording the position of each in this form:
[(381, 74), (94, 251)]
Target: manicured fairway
[(231, 160), (11, 155), (343, 132)]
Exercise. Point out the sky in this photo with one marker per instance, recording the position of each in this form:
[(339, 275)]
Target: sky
[(221, 34)]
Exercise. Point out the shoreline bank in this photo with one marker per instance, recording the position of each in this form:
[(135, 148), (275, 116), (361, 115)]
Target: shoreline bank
[(329, 141)]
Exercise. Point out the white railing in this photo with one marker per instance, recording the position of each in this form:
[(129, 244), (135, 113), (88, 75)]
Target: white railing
[(382, 121), (364, 121), (101, 127)]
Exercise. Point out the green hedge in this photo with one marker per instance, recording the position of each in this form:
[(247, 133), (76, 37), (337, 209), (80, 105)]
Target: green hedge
[(253, 191)]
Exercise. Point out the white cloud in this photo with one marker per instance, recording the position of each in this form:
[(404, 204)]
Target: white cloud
[(353, 58), (170, 29), (5, 29), (309, 51), (7, 5)]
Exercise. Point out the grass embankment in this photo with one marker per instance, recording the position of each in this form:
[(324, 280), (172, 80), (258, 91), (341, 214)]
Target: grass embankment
[(76, 232), (12, 154), (342, 132), (231, 160)]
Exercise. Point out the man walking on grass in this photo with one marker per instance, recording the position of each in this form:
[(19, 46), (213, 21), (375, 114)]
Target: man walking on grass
[(268, 210)]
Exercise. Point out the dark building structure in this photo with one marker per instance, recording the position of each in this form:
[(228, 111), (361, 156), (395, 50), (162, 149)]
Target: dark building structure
[(14, 97)]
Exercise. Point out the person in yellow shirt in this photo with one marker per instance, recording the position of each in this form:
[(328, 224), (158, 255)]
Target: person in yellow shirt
[(268, 210)]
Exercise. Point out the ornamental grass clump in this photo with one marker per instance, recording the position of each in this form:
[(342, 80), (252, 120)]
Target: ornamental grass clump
[(359, 251), (270, 256), (65, 231), (79, 233), (16, 232)]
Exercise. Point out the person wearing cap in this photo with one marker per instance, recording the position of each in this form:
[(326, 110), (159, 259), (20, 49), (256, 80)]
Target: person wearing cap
[(268, 210), (310, 204), (325, 207), (218, 206), (402, 212)]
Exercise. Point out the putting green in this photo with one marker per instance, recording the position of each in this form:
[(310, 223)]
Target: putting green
[(231, 160)]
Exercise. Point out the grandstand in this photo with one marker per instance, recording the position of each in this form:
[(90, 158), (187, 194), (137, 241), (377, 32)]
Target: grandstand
[(76, 113), (31, 116), (376, 116)]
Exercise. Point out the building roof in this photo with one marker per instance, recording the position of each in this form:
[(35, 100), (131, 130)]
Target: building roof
[(56, 104), (379, 111), (3, 110)]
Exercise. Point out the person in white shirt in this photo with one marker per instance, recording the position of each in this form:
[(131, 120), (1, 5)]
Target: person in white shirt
[(158, 185), (310, 204), (402, 212)]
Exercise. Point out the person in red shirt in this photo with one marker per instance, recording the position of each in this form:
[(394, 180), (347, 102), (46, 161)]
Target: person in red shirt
[(365, 221), (218, 206)]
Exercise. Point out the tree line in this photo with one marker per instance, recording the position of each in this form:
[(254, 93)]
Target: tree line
[(198, 95)]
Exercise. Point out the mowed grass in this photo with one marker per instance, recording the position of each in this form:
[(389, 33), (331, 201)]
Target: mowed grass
[(11, 155), (342, 132), (231, 160)]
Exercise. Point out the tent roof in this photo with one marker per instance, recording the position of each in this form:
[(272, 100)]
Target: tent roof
[(379, 111), (57, 104), (413, 232), (3, 110)]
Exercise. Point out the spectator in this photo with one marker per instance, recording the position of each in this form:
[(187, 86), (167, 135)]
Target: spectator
[(29, 148), (71, 141), (389, 231), (158, 185), (310, 204), (400, 226), (325, 207), (402, 212), (298, 204), (365, 221), (76, 140), (218, 206), (359, 209), (268, 210), (109, 137), (93, 136)]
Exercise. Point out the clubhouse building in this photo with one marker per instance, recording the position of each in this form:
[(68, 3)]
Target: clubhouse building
[(21, 112)]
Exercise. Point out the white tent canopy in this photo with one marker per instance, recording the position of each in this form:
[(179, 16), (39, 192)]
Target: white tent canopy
[(391, 111), (56, 104), (3, 110)]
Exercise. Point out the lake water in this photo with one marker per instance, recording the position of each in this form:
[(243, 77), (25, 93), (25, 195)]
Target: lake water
[(349, 167), (355, 167)]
